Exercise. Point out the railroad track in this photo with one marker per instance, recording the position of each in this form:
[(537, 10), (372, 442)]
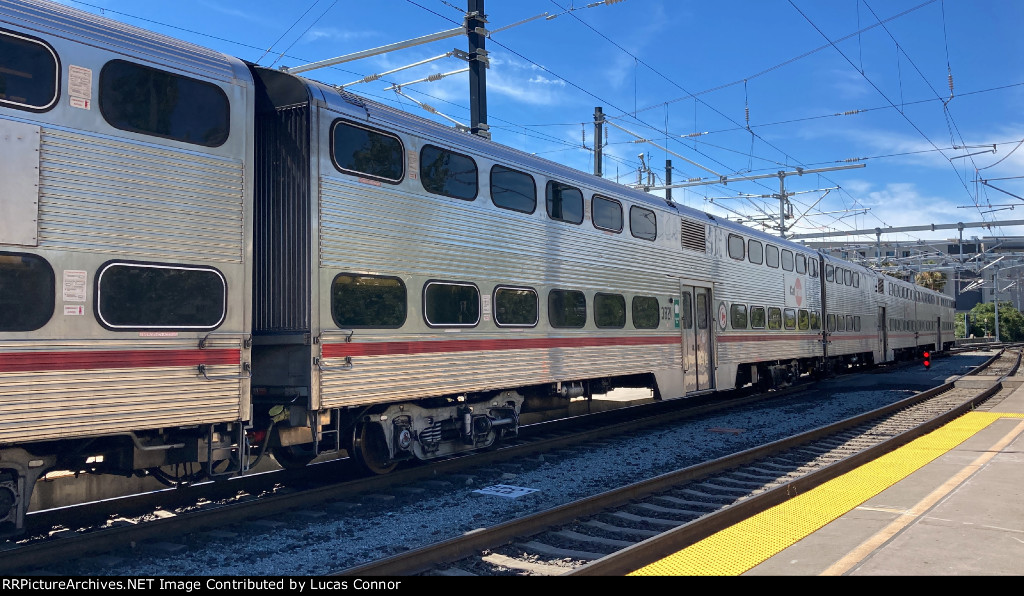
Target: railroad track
[(622, 530)]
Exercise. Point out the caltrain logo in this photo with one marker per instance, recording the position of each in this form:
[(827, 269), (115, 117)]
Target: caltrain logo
[(796, 290)]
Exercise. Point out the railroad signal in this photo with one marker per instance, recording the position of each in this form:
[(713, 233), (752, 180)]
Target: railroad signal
[(927, 359)]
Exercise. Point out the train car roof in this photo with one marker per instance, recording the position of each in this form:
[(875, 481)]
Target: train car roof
[(56, 20)]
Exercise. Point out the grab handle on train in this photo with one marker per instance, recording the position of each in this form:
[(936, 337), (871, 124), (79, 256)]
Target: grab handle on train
[(319, 364), (247, 374), (205, 340)]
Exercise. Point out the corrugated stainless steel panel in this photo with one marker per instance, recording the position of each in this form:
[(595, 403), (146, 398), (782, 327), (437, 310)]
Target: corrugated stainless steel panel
[(55, 19), (105, 195), (384, 229), (377, 379), (54, 400)]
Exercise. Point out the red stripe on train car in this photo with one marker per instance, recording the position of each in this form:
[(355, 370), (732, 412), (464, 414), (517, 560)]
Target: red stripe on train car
[(107, 359), (385, 348)]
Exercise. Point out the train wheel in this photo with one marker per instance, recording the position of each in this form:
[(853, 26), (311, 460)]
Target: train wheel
[(294, 457), (371, 450)]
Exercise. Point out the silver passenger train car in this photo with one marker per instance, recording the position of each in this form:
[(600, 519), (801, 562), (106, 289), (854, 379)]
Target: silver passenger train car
[(203, 261)]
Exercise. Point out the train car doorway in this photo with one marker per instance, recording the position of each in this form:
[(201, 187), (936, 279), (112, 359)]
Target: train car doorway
[(883, 334), (697, 337)]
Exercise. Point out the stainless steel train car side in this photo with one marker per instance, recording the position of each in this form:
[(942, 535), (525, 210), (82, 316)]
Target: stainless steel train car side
[(124, 269)]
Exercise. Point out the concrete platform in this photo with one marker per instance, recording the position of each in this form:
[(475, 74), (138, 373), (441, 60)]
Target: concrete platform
[(956, 509)]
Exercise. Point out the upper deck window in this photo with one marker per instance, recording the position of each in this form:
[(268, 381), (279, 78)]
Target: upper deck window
[(755, 252), (364, 151), (787, 260), (443, 172), (771, 255), (643, 223), (29, 73), (155, 102), (512, 189), (735, 247), (565, 203), (607, 214)]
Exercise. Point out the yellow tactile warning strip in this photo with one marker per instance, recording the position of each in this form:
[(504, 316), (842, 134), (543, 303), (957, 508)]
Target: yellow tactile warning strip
[(742, 546)]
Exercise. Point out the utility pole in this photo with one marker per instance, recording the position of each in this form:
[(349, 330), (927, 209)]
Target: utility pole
[(598, 138), (475, 22)]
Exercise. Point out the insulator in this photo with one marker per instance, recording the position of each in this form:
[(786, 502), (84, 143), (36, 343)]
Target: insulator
[(851, 112), (435, 77), (747, 110), (950, 82)]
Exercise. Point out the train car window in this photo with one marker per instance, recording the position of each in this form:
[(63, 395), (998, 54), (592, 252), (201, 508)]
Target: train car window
[(155, 102), (787, 260), (567, 309), (848, 277), (516, 307), (856, 323), (29, 73), (565, 203), (803, 320), (447, 173), (643, 223), (757, 317), (512, 189), (687, 313), (814, 267), (771, 256), (368, 301), (646, 312), (815, 320), (830, 274), (789, 318), (801, 264), (363, 151), (738, 316), (849, 323), (755, 252), (774, 318), (609, 311), (157, 296), (840, 275), (27, 292), (840, 323), (606, 213), (831, 321), (702, 311), (735, 247), (856, 280), (451, 304)]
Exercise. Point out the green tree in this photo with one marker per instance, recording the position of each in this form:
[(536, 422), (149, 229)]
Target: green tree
[(933, 280), (1011, 321)]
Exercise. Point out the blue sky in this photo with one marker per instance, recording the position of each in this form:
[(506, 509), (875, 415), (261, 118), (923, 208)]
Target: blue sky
[(774, 84)]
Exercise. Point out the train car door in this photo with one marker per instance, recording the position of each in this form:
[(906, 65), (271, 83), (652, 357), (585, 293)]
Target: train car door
[(938, 334), (695, 314), (883, 335)]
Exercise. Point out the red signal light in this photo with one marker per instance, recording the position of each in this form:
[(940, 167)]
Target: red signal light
[(927, 359)]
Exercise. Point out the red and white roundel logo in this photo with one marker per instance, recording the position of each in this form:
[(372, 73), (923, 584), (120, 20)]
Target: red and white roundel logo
[(798, 291), (722, 319)]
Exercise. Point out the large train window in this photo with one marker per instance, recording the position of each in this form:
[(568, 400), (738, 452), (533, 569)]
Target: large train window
[(444, 172), (757, 317), (565, 203), (738, 316), (157, 296), (368, 301), (512, 189), (789, 318), (774, 318), (609, 311), (646, 312), (771, 255), (567, 309), (451, 304), (366, 152), (27, 289), (606, 213), (735, 247), (815, 319), (516, 307), (29, 73), (801, 264), (787, 260), (803, 320), (643, 223), (155, 102), (830, 273), (755, 252)]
